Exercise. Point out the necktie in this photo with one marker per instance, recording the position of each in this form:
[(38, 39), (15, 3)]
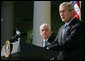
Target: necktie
[(63, 31), (44, 43)]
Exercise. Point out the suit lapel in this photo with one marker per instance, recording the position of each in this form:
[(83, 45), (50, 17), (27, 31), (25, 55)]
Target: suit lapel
[(66, 31), (74, 21), (60, 34), (60, 40)]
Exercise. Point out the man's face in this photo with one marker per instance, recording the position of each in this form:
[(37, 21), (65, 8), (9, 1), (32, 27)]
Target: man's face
[(65, 14), (45, 32)]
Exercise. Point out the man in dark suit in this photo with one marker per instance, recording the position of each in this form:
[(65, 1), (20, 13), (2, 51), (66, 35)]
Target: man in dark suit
[(47, 35), (70, 39)]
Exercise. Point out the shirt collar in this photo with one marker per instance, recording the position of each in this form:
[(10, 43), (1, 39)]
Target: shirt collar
[(67, 23), (45, 39)]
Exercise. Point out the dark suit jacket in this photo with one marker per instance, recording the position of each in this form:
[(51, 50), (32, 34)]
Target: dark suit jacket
[(51, 38), (71, 47)]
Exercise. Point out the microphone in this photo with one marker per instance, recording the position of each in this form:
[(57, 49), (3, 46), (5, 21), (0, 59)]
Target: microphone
[(13, 39)]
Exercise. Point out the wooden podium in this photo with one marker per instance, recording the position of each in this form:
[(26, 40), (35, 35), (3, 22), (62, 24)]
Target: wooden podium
[(25, 51)]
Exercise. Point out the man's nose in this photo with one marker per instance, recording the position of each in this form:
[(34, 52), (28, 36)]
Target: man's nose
[(44, 31), (61, 14)]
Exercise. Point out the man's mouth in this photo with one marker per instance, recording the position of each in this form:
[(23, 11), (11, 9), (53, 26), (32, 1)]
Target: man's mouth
[(62, 17)]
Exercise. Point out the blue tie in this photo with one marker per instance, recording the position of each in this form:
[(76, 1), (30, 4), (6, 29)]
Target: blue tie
[(63, 31)]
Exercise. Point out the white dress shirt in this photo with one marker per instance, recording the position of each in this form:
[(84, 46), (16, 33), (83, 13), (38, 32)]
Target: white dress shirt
[(45, 42)]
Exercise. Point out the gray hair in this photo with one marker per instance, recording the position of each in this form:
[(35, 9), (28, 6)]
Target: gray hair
[(45, 24), (69, 5)]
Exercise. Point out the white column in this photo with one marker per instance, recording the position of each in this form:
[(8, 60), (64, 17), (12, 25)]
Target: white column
[(42, 14), (6, 20)]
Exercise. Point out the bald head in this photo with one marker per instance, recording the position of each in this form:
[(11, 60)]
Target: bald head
[(45, 25)]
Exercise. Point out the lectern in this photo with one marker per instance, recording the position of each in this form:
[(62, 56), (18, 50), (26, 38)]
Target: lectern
[(21, 50)]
